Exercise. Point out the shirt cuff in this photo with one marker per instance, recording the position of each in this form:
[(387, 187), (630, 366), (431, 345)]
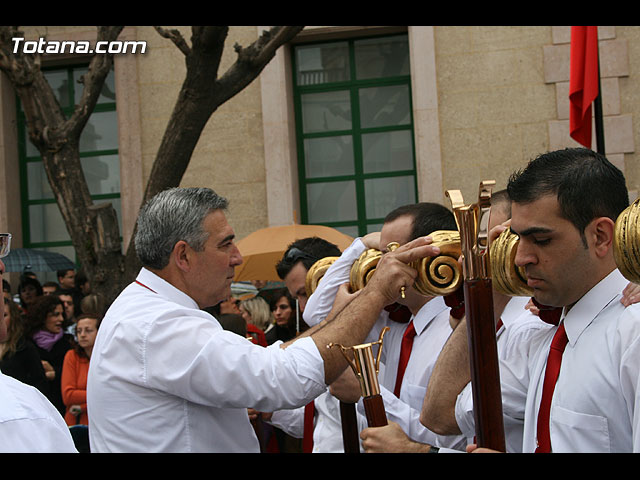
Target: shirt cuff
[(464, 412)]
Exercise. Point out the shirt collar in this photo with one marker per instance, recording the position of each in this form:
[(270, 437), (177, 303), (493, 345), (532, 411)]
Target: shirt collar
[(592, 303), (427, 313), (163, 288), (514, 308)]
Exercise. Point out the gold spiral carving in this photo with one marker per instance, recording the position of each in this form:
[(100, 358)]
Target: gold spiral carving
[(316, 272), (507, 278), (442, 274), (626, 247), (437, 276), (363, 268)]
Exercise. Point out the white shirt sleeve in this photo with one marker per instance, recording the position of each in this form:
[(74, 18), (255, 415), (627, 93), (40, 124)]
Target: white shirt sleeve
[(290, 422), (29, 423), (321, 301)]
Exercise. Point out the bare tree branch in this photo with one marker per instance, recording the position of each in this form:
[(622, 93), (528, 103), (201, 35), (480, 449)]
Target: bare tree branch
[(252, 59), (176, 37), (93, 81)]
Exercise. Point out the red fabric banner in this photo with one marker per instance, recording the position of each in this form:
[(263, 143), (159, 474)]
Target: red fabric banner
[(583, 82)]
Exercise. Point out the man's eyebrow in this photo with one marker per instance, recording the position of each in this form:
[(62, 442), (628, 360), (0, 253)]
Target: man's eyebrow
[(531, 231), (226, 239)]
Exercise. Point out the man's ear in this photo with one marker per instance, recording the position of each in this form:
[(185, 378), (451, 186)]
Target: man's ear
[(181, 255), (601, 230)]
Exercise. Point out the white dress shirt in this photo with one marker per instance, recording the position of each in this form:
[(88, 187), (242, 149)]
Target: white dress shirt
[(29, 423), (432, 331), (594, 405), (513, 338), (166, 377)]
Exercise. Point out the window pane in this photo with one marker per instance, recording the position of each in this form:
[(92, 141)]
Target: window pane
[(100, 133), (352, 230), (32, 151), (108, 93), (67, 251), (327, 111), (374, 227), (46, 224), (331, 202), (382, 57), (38, 188), (324, 63), (384, 106), (387, 151), (102, 174), (59, 82), (384, 194), (329, 156)]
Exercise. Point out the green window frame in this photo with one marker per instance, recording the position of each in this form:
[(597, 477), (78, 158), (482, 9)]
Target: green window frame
[(354, 131), (42, 223)]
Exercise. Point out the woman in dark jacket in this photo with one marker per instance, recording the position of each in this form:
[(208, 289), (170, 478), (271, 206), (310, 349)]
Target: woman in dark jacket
[(44, 321), (19, 357)]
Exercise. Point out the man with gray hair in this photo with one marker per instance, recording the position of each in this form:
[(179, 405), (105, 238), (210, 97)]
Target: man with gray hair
[(166, 377)]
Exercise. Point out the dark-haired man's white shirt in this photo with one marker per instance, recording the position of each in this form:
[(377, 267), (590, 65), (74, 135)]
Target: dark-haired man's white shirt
[(165, 376), (595, 401), (512, 338)]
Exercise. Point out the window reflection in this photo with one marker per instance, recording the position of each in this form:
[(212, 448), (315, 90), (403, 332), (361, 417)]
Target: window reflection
[(385, 106), (382, 57), (384, 194), (326, 111), (317, 64), (387, 151), (328, 156), (332, 201)]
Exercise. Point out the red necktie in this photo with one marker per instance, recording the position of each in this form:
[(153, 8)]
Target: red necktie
[(550, 377), (405, 353), (307, 436), (398, 313)]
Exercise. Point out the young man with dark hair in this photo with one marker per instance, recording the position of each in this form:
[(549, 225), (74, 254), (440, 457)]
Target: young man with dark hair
[(297, 261), (564, 207)]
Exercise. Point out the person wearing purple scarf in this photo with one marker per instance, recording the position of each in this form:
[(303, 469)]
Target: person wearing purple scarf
[(44, 321)]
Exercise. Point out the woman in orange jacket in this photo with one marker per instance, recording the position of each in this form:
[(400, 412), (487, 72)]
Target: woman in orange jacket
[(75, 370)]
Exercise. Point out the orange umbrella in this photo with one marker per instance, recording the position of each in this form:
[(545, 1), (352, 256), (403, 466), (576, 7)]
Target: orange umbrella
[(264, 248)]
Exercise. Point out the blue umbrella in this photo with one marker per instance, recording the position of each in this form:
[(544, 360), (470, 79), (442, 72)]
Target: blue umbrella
[(29, 259)]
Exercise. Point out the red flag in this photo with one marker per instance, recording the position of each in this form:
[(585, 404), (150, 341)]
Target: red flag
[(583, 82)]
